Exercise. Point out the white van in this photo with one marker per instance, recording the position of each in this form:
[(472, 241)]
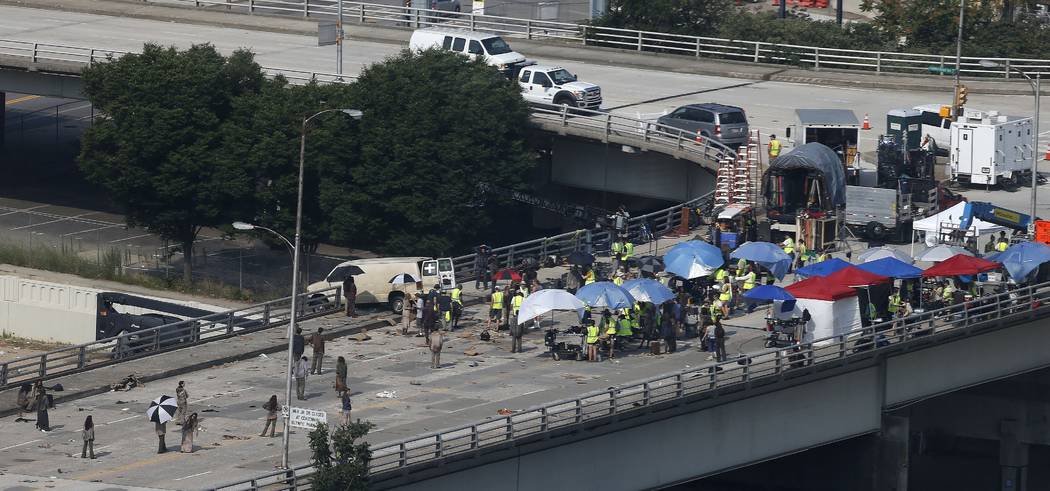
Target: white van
[(373, 284), (471, 43)]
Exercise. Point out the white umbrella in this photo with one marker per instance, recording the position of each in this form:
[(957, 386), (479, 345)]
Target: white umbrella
[(550, 300), (162, 409), (403, 279), (876, 253), (941, 252)]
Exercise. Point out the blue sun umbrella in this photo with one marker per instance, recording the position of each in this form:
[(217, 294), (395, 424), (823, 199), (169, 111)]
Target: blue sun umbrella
[(767, 255), (770, 293), (647, 290), (1023, 258), (693, 259), (605, 294), (892, 267)]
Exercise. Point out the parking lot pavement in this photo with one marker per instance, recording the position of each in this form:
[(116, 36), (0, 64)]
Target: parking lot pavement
[(228, 400)]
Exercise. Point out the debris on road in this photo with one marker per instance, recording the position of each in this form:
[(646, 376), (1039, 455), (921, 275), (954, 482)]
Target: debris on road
[(387, 394), (361, 336), (128, 383), (472, 351), (235, 437), (504, 411)]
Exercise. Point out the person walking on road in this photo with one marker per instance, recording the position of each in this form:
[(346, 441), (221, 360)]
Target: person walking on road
[(457, 306), (317, 342), (300, 371), (182, 401), (436, 342), (420, 304), (346, 407), (189, 430), (160, 428), (88, 451), (298, 343), (350, 294), (720, 341), (517, 332), (429, 318), (40, 397), (408, 311), (495, 309), (340, 375), (481, 267), (272, 410), (774, 147), (667, 332)]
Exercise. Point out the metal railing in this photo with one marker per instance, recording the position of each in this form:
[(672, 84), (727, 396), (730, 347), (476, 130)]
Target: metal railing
[(147, 342), (815, 57), (747, 372)]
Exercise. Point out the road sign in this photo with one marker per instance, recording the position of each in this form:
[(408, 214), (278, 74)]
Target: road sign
[(327, 33), (305, 418), (478, 8), (941, 70), (1042, 231)]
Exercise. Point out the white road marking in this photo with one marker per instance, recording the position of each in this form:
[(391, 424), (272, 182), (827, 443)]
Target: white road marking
[(220, 395), (122, 419), (129, 238), (53, 221), (23, 210), (194, 475), (91, 230), (19, 445)]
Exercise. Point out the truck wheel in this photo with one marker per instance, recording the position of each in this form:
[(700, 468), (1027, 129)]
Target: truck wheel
[(397, 303), (875, 230), (1009, 184), (564, 101), (555, 355)]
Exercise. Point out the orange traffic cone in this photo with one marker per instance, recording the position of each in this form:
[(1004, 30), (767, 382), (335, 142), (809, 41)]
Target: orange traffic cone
[(867, 123), (1047, 157)]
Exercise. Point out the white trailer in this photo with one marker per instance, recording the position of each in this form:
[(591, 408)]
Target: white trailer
[(990, 148)]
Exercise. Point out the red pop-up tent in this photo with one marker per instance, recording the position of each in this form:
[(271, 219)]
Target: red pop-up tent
[(961, 264), (833, 307), (852, 276), (818, 288)]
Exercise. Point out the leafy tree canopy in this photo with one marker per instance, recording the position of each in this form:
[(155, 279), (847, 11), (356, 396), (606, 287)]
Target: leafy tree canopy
[(158, 149), (340, 458)]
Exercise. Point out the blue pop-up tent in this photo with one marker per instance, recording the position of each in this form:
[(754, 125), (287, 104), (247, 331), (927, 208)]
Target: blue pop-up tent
[(822, 268), (1021, 259), (892, 267)]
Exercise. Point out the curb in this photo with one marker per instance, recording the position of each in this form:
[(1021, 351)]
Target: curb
[(300, 26)]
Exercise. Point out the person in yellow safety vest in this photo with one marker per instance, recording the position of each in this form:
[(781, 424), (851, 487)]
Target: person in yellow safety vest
[(802, 252), (618, 279), (610, 330), (726, 297), (948, 295), (823, 256), (515, 305), (628, 251), (788, 245), (720, 275), (588, 277), (592, 341), (457, 305), (496, 309), (774, 147), (636, 316), (894, 307), (616, 255), (624, 330), (741, 266), (1003, 243)]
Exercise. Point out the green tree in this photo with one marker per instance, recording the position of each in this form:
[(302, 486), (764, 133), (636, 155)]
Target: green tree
[(697, 17), (340, 460), (158, 148), (435, 123)]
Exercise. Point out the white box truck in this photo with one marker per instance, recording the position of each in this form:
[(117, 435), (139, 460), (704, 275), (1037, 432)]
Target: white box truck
[(990, 148), (373, 284)]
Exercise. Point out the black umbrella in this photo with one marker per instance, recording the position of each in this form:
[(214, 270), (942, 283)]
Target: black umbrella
[(650, 264), (351, 270), (162, 409), (580, 258)]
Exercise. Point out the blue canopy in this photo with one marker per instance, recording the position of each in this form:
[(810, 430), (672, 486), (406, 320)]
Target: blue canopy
[(1022, 258), (605, 294), (693, 259), (647, 290), (769, 256), (892, 267), (822, 268), (771, 293)]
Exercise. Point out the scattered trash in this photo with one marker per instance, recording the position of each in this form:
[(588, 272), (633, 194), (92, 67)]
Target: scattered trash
[(472, 351), (485, 336), (387, 394), (235, 437), (129, 382), (263, 355), (361, 336), (124, 408), (504, 411), (472, 364), (209, 411), (415, 382), (121, 402)]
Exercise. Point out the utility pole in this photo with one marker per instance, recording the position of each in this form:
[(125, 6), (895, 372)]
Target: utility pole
[(957, 107), (339, 43), (838, 12)]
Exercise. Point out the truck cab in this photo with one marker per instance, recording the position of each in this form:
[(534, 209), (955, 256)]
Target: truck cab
[(543, 84)]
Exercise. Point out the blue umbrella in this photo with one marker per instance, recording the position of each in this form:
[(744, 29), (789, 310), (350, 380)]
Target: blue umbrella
[(605, 294), (647, 290), (892, 267), (693, 259), (698, 245), (822, 268), (771, 293), (769, 256), (1023, 258)]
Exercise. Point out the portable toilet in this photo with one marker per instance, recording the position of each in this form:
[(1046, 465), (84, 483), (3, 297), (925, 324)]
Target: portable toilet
[(905, 125)]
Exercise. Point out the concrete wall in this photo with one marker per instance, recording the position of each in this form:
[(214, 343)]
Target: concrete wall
[(55, 312), (599, 166)]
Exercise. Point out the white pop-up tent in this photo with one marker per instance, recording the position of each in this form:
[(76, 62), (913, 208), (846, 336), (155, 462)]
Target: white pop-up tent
[(949, 220), (834, 308)]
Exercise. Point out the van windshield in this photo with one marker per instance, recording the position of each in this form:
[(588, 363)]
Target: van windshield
[(496, 46)]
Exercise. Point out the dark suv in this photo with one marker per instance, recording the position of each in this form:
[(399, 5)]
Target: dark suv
[(725, 124)]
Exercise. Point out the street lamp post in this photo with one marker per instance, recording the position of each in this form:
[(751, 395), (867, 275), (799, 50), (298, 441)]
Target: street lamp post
[(1035, 130)]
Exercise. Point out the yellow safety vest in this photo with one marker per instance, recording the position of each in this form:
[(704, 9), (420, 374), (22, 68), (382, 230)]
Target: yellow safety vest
[(1002, 245), (789, 245), (895, 304), (592, 334), (949, 294), (774, 148), (515, 303), (720, 275), (628, 250), (727, 294), (617, 247), (497, 300), (822, 257), (588, 278), (617, 281), (456, 292), (625, 327), (872, 311), (715, 312), (749, 281)]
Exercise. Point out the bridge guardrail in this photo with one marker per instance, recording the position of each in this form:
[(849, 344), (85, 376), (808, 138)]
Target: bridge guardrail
[(183, 334), (754, 370), (644, 41)]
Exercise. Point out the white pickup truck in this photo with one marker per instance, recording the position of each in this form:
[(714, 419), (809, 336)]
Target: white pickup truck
[(544, 84)]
